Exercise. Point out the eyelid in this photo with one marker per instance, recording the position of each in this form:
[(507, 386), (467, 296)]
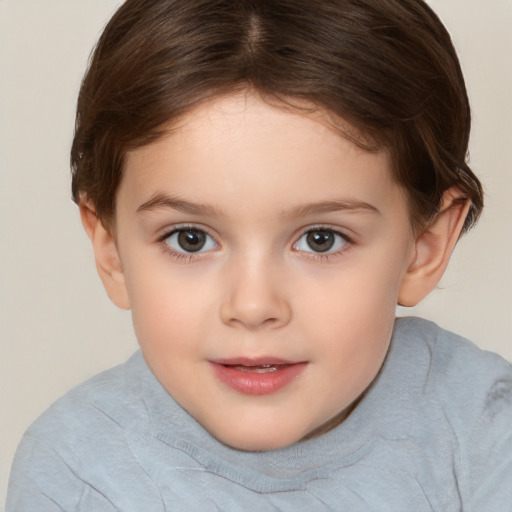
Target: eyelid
[(185, 256), (169, 230), (325, 227), (323, 256)]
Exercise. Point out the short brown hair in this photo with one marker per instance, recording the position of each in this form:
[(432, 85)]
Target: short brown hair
[(387, 67)]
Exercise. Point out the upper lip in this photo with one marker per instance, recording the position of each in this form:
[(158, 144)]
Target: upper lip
[(254, 361)]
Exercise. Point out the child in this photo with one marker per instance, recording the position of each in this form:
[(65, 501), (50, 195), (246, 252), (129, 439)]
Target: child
[(263, 182)]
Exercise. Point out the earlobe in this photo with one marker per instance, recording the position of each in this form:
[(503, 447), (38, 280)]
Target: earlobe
[(433, 249), (108, 262)]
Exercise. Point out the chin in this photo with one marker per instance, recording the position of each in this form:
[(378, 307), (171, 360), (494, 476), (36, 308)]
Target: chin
[(258, 441)]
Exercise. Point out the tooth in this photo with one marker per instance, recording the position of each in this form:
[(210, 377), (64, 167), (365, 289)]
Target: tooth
[(264, 368)]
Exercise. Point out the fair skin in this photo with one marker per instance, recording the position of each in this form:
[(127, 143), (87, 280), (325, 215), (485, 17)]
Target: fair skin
[(262, 256)]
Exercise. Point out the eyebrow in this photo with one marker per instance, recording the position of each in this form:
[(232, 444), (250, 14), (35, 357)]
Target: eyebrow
[(346, 204), (163, 201)]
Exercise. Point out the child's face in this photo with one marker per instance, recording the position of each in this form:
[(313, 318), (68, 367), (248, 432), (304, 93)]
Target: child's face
[(263, 255)]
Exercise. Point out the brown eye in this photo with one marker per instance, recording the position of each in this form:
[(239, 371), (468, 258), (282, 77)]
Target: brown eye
[(321, 241), (190, 241)]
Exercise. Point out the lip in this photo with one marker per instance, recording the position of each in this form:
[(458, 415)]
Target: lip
[(257, 376)]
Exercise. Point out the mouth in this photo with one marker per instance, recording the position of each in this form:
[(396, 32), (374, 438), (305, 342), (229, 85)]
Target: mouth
[(257, 376), (263, 368)]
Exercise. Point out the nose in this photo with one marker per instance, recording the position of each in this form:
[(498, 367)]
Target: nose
[(255, 298)]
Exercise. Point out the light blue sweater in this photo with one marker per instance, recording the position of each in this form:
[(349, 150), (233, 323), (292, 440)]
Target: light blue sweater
[(433, 433)]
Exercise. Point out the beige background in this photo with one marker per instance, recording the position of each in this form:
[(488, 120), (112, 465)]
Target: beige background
[(57, 327)]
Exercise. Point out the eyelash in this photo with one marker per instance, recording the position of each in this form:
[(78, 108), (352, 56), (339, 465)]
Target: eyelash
[(184, 257), (325, 257)]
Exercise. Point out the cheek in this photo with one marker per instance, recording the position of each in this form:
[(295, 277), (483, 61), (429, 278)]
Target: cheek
[(166, 308), (365, 288), (353, 310)]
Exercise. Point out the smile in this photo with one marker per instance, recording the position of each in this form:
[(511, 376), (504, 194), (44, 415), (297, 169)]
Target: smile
[(264, 368), (254, 377)]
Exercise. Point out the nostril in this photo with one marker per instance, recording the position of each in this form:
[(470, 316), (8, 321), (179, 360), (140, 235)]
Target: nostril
[(270, 317), (254, 300)]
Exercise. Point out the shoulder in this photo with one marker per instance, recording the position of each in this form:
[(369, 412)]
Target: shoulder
[(466, 394), (74, 451), (457, 363), (430, 365), (452, 369), (90, 423), (107, 399)]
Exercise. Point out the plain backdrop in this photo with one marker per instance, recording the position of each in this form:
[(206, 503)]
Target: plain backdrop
[(57, 326)]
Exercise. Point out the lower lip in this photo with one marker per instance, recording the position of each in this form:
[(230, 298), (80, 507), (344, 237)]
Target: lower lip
[(254, 383)]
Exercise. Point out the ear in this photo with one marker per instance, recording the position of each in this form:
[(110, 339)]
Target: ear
[(106, 254), (433, 249)]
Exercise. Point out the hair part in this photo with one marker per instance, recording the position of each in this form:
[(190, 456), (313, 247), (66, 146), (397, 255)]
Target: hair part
[(386, 68)]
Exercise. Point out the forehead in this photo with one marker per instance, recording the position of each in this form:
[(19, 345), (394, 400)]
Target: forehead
[(242, 146), (242, 110)]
